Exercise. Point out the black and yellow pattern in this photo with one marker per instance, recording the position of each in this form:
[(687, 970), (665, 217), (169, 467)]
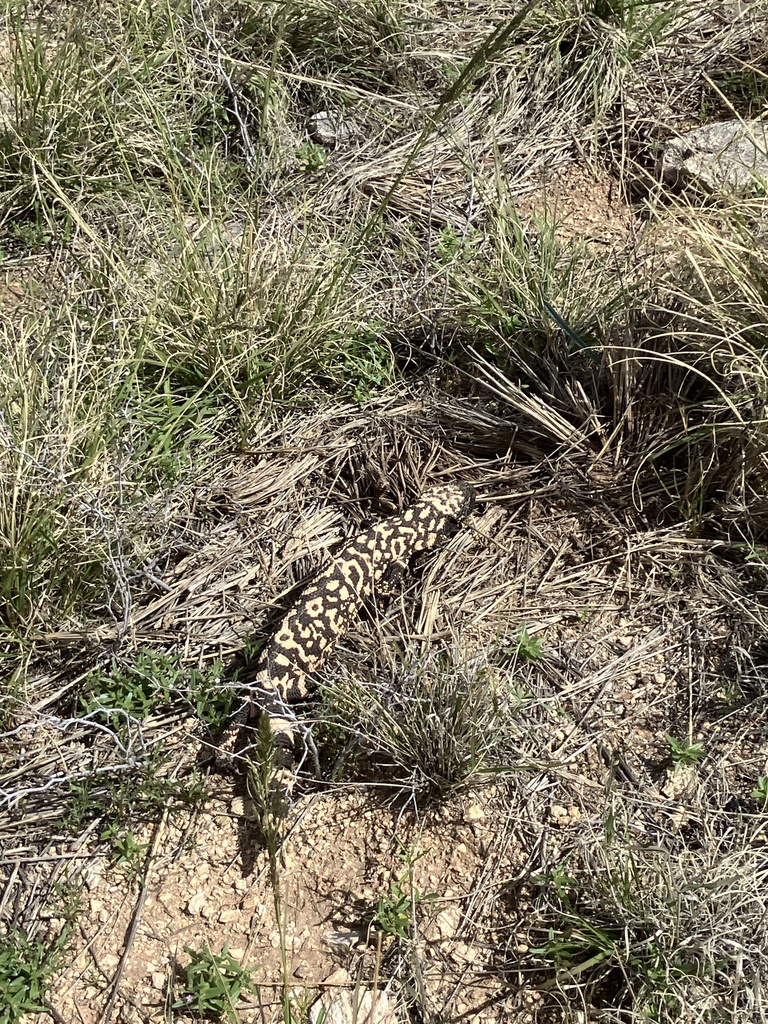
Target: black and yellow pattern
[(371, 565)]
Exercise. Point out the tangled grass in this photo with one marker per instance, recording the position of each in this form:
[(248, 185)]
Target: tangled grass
[(227, 343)]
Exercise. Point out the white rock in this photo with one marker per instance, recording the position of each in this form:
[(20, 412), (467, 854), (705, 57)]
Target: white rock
[(730, 155), (342, 938), (474, 813), (355, 1007), (196, 903)]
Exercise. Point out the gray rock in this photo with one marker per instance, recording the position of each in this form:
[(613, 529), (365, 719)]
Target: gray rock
[(327, 128), (727, 155)]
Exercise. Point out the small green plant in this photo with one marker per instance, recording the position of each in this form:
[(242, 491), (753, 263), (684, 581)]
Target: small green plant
[(368, 362), (746, 87), (559, 879), (529, 648), (26, 967), (213, 983), (605, 937), (138, 688), (578, 947), (127, 854), (311, 157), (451, 244), (152, 679), (684, 753), (394, 911), (760, 792)]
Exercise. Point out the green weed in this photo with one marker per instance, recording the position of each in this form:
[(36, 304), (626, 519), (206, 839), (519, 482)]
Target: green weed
[(150, 681), (760, 792), (311, 157), (123, 796), (213, 984), (746, 88), (634, 934), (26, 967), (394, 912), (127, 855), (684, 753), (529, 648)]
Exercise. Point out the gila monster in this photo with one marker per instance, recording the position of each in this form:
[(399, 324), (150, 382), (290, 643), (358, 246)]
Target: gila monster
[(371, 565)]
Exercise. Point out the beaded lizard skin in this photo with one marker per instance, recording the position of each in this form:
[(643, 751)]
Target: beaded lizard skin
[(371, 565)]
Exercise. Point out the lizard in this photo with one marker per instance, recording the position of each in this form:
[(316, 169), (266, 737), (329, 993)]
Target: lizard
[(371, 565)]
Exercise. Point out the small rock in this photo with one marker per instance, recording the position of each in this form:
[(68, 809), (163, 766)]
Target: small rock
[(474, 813), (681, 783), (158, 980), (558, 813), (327, 128), (445, 924), (93, 874), (195, 904), (338, 977), (229, 914)]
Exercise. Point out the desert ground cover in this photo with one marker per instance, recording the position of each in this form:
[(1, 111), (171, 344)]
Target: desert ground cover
[(267, 271)]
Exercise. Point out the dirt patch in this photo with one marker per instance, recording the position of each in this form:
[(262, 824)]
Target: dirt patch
[(582, 203), (342, 855)]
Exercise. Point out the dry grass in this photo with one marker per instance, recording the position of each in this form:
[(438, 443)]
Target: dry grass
[(228, 347)]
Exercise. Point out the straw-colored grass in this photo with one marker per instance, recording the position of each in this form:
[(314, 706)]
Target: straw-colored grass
[(227, 345)]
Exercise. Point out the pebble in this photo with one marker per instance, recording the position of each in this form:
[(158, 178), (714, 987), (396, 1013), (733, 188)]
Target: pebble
[(338, 977), (196, 904)]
